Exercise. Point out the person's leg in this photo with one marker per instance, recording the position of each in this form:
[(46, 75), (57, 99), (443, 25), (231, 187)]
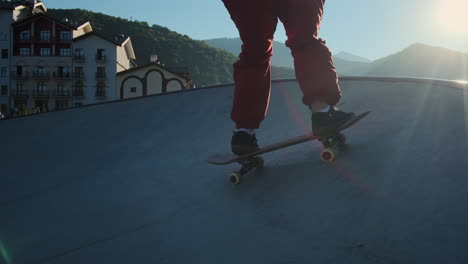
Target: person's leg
[(313, 60), (256, 23)]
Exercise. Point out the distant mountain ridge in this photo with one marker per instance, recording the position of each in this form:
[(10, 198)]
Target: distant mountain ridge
[(281, 54), (351, 57), (417, 60)]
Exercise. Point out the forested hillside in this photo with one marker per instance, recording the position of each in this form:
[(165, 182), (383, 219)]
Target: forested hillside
[(207, 65)]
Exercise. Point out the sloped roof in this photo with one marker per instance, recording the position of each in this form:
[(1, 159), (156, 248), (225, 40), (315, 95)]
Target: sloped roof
[(43, 15), (117, 41)]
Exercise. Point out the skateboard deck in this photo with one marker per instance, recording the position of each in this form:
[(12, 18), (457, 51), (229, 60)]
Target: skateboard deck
[(333, 144), (227, 158)]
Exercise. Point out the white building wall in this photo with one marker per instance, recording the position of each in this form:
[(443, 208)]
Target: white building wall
[(90, 45), (152, 76), (122, 58)]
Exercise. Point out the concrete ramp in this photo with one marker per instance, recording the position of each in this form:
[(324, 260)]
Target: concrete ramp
[(126, 182)]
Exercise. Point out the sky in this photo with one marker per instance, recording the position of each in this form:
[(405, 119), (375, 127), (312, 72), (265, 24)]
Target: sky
[(369, 28)]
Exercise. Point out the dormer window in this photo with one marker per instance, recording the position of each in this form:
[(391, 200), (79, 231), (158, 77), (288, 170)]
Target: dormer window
[(25, 35)]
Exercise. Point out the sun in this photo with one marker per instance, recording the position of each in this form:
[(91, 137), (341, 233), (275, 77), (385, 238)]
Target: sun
[(453, 15)]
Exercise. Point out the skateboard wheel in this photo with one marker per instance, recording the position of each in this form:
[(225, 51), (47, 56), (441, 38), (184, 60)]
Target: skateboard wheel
[(234, 178), (259, 162), (328, 154)]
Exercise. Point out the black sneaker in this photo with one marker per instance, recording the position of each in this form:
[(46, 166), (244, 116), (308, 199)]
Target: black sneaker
[(243, 143), (327, 123)]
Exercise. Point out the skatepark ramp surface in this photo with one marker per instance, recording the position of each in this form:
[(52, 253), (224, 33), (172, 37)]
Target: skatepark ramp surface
[(126, 182)]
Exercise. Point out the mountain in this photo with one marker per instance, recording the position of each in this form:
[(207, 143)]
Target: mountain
[(351, 57), (207, 65), (421, 60), (345, 62), (417, 60), (351, 68), (281, 54)]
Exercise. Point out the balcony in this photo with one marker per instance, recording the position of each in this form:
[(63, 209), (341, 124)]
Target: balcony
[(20, 93), (78, 75), (18, 76), (100, 75), (44, 41), (60, 93), (63, 40), (78, 92), (62, 76), (78, 58), (41, 94), (100, 94), (24, 40), (41, 75), (100, 58)]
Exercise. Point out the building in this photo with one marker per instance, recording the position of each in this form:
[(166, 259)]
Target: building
[(152, 78), (41, 63), (96, 60), (10, 12), (50, 64)]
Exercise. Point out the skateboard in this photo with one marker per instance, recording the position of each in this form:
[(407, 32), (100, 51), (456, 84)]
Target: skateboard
[(332, 144)]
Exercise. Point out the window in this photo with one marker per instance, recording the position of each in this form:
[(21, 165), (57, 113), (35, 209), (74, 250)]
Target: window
[(19, 70), (101, 72), (3, 90), (78, 104), (19, 87), (61, 104), (78, 72), (24, 52), (63, 71), (100, 89), (3, 72), (101, 54), (65, 35), (41, 70), (79, 52), (65, 52), (60, 87), (3, 36), (45, 52), (45, 35), (4, 53), (25, 35), (41, 87), (133, 90)]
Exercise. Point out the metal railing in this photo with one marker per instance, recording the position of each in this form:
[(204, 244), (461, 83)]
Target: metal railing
[(100, 75), (100, 58), (62, 75), (78, 75), (41, 93), (41, 75), (19, 76)]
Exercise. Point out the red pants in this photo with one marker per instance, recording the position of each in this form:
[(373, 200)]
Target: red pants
[(256, 21)]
